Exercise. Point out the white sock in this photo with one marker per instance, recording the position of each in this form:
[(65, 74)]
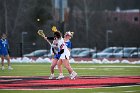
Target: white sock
[(61, 74), (52, 74), (73, 72)]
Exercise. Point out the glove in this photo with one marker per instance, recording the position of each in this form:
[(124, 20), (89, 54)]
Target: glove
[(61, 51)]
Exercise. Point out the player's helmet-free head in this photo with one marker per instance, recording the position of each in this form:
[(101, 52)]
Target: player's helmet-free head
[(57, 34), (3, 35)]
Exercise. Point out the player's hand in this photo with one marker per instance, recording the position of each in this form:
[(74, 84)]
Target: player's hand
[(45, 38)]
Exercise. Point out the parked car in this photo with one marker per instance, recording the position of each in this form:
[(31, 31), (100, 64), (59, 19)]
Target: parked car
[(37, 53), (116, 50), (125, 53), (136, 54), (86, 54), (107, 52), (76, 51)]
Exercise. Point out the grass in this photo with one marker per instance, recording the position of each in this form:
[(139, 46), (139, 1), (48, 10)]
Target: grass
[(133, 89), (43, 69)]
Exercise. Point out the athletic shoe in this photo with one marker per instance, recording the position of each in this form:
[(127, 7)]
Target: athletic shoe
[(60, 77), (51, 76), (10, 68), (70, 75), (2, 68), (73, 75)]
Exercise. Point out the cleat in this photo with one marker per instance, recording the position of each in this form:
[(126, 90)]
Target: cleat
[(51, 76), (73, 75), (74, 78), (60, 77), (10, 68), (70, 76), (2, 68)]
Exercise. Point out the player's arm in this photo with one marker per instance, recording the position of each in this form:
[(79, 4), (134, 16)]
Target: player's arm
[(69, 46), (53, 50), (8, 48), (0, 45), (50, 38), (61, 49)]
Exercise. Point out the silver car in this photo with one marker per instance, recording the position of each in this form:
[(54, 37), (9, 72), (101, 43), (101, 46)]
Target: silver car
[(125, 53), (107, 52), (76, 51)]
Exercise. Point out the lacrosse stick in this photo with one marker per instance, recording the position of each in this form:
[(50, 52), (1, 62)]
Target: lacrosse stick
[(54, 29), (41, 33)]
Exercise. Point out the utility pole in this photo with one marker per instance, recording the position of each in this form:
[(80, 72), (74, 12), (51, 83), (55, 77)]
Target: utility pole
[(61, 16), (22, 42), (86, 21), (107, 37), (5, 9)]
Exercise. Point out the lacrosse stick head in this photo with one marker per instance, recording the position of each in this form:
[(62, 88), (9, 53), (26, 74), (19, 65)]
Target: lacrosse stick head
[(41, 33), (54, 29)]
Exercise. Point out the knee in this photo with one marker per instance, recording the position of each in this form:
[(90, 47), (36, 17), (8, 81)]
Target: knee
[(66, 66), (59, 65), (52, 66)]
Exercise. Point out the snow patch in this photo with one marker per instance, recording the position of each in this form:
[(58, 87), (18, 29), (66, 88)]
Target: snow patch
[(48, 60)]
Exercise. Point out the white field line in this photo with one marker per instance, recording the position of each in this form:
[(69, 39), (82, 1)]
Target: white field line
[(12, 79), (85, 68), (127, 86), (111, 66), (113, 69), (89, 66)]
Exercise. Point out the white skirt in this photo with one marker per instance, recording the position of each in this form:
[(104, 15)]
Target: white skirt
[(65, 55)]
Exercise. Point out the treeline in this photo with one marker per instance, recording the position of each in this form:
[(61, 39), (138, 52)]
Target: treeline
[(85, 19)]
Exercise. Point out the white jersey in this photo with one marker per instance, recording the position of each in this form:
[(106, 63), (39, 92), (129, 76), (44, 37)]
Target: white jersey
[(62, 45)]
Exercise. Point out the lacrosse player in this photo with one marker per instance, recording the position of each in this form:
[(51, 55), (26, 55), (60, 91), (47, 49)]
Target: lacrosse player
[(56, 56), (54, 48), (4, 51), (64, 57), (68, 43)]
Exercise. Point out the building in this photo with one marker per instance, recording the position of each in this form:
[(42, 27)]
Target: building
[(131, 16)]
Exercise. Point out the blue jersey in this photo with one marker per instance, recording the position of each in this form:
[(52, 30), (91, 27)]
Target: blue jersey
[(68, 44), (3, 47)]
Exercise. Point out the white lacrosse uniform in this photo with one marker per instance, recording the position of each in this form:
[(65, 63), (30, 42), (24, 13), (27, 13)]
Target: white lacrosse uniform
[(62, 45)]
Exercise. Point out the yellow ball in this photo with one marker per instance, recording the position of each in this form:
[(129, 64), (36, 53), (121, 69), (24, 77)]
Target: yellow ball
[(38, 19)]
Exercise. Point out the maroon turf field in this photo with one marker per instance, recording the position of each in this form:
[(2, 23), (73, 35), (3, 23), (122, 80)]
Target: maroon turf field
[(42, 82)]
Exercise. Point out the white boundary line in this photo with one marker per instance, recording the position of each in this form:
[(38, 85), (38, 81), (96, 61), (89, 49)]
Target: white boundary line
[(91, 66)]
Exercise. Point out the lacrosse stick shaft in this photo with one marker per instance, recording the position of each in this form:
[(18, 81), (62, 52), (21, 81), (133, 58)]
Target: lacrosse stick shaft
[(41, 33), (49, 42)]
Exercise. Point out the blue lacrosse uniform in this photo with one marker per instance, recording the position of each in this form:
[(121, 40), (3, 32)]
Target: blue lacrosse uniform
[(68, 44), (3, 47)]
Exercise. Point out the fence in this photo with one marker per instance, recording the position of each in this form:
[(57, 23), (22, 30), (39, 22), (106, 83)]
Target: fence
[(18, 49)]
